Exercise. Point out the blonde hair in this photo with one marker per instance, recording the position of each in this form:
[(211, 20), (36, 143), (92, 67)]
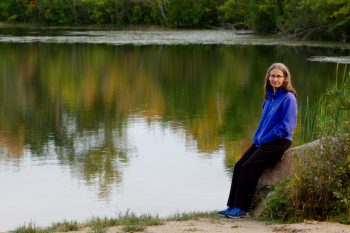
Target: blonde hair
[(287, 82)]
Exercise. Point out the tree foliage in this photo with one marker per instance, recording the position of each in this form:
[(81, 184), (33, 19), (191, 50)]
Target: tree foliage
[(235, 12), (175, 13), (312, 19), (200, 13), (304, 19), (263, 15)]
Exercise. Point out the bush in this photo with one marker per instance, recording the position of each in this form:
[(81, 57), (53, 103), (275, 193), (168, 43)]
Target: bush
[(319, 188)]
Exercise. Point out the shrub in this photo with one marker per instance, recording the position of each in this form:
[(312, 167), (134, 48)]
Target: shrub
[(319, 188)]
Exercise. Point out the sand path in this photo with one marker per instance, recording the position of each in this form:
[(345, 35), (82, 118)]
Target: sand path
[(237, 226)]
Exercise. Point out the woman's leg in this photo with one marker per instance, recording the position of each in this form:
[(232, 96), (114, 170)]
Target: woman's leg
[(236, 175), (251, 170)]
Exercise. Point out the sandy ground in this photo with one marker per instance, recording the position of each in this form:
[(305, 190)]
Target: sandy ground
[(235, 226), (238, 226)]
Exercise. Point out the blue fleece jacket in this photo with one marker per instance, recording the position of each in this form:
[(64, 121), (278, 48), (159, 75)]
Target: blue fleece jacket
[(278, 119)]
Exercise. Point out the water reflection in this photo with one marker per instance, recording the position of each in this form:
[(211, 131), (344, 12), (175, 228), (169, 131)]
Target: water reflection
[(74, 106), (78, 98)]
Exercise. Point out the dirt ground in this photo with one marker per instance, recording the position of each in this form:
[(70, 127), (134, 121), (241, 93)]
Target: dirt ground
[(239, 226)]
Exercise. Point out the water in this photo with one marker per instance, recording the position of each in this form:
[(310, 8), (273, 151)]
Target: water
[(95, 123)]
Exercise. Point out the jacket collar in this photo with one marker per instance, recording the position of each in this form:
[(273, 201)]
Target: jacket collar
[(276, 94)]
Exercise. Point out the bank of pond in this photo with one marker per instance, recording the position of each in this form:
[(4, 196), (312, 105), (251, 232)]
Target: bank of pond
[(302, 19)]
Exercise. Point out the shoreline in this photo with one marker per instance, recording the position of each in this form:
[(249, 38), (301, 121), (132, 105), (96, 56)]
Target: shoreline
[(191, 222), (143, 36)]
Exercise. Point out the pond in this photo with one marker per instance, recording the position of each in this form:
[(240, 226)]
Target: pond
[(96, 123)]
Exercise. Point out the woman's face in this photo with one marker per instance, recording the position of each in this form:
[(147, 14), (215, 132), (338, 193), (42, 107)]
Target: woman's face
[(276, 78)]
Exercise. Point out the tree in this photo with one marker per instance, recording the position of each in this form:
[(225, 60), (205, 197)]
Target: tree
[(191, 14), (315, 19), (263, 15), (235, 12)]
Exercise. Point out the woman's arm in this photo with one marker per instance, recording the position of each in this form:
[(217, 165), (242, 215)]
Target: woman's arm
[(284, 128)]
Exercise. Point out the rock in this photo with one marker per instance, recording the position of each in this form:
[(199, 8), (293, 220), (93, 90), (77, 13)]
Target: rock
[(278, 172)]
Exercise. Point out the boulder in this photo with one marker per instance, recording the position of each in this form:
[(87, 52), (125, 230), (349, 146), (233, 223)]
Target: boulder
[(282, 169)]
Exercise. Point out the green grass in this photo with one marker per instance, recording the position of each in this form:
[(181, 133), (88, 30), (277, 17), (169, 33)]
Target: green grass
[(64, 226), (133, 223), (30, 228), (193, 216), (330, 114)]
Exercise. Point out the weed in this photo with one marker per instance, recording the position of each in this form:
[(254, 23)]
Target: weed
[(102, 222), (133, 223), (190, 216), (64, 226), (30, 228), (133, 227)]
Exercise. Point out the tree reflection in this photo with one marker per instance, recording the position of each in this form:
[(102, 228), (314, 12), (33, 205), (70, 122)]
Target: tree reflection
[(73, 102)]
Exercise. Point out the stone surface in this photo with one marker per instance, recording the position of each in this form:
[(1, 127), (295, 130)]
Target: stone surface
[(281, 170)]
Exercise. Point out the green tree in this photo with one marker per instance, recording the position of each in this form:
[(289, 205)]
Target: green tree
[(315, 19), (144, 12), (235, 12), (263, 15), (55, 12), (13, 10), (191, 14)]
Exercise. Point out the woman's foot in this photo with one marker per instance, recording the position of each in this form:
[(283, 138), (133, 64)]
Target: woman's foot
[(223, 213), (236, 213)]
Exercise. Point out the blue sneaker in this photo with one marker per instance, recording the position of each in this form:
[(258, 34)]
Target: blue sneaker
[(223, 213), (236, 213)]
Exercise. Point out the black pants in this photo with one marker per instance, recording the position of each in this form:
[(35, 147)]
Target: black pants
[(250, 167)]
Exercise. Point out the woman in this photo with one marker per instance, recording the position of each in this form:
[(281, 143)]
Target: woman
[(272, 137)]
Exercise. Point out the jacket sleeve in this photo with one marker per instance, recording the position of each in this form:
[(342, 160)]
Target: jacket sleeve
[(286, 126)]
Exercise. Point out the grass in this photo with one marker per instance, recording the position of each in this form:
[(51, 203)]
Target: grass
[(129, 222), (193, 216), (330, 113), (64, 226)]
